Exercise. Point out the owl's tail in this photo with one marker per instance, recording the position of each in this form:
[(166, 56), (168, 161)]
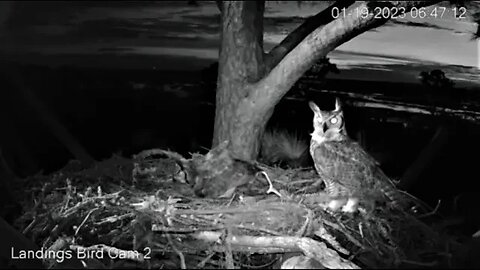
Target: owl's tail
[(279, 147), (403, 200), (396, 198)]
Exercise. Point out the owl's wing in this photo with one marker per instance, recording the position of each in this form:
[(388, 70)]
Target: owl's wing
[(359, 172), (352, 152)]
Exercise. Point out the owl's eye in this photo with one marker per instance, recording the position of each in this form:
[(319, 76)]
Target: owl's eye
[(335, 121)]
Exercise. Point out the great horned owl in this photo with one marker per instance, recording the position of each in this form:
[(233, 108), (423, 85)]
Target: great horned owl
[(345, 168)]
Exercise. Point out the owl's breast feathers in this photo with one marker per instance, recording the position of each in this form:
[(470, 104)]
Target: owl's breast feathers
[(350, 171)]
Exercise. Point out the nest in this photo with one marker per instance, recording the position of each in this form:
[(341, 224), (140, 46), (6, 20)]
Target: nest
[(147, 212)]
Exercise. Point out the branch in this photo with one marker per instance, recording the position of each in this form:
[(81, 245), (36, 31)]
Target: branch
[(296, 36), (316, 45), (313, 249)]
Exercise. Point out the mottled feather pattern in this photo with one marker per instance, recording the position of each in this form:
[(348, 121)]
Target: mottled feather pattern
[(346, 169)]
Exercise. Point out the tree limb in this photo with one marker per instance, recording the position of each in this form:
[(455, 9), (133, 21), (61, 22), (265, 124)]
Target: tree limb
[(318, 44), (313, 249), (296, 36)]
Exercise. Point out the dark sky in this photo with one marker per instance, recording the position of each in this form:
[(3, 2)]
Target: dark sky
[(176, 36)]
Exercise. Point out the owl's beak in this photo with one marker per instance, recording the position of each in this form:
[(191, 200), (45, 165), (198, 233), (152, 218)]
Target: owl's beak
[(324, 127)]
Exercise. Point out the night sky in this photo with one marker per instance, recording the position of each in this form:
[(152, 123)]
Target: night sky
[(176, 36)]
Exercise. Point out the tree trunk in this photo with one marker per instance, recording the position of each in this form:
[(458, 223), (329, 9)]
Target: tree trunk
[(241, 61), (248, 89), (302, 31)]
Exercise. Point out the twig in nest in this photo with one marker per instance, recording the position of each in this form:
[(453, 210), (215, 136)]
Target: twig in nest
[(114, 218), (306, 224), (315, 186), (85, 220), (70, 189), (433, 212), (417, 201), (160, 228), (252, 241), (30, 226), (345, 232), (302, 181), (199, 212), (258, 229), (176, 250), (59, 244), (323, 233), (360, 229), (231, 200), (39, 201), (228, 249), (422, 264), (271, 189), (86, 201), (204, 261), (169, 154)]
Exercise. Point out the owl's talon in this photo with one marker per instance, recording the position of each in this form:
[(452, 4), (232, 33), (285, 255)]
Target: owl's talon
[(351, 206)]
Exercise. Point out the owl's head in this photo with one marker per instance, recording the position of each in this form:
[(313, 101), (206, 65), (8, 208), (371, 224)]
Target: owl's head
[(328, 125)]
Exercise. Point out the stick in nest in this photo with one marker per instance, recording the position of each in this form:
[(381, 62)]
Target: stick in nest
[(313, 249), (271, 189)]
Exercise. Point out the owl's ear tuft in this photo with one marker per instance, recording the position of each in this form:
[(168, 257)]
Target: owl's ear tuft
[(338, 105), (314, 107)]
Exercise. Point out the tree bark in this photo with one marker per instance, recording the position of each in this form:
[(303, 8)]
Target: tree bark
[(296, 36), (317, 45), (246, 92), (240, 63)]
